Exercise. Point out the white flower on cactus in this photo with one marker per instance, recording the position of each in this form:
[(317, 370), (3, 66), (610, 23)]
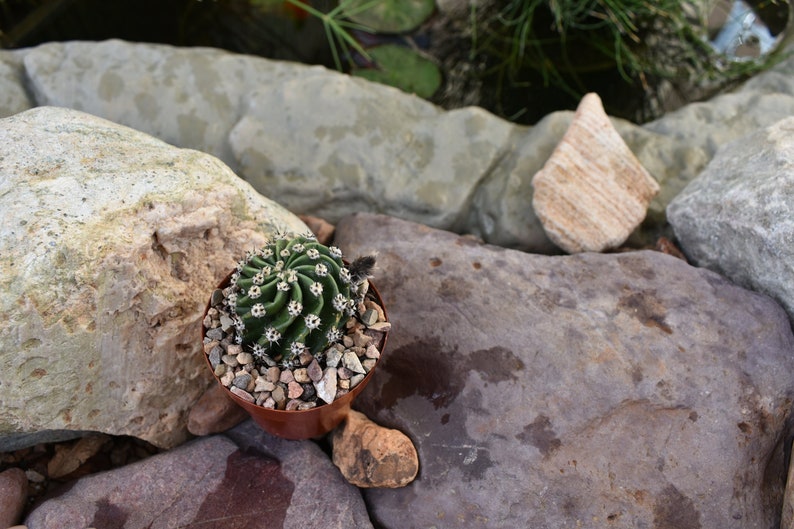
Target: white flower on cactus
[(336, 252), (292, 276), (316, 289), (279, 266), (294, 308), (334, 335), (284, 253), (231, 299), (272, 335), (321, 270), (296, 348), (258, 310), (254, 292), (351, 307), (241, 264), (283, 286), (312, 321), (344, 275), (339, 302), (266, 252), (266, 270), (258, 278), (313, 253), (298, 247)]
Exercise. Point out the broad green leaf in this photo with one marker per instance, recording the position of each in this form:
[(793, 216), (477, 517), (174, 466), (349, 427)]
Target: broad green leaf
[(402, 68), (389, 16)]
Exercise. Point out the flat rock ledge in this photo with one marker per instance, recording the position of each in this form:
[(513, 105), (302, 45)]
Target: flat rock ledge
[(629, 389)]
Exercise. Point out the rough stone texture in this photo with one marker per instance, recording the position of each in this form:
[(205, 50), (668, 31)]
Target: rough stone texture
[(592, 192), (196, 97), (625, 390), (736, 217), (369, 455), (211, 479), (214, 412), (13, 96), (787, 513), (13, 495), (110, 243)]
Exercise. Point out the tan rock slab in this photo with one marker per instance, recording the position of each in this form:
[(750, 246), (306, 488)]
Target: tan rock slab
[(369, 455), (592, 192)]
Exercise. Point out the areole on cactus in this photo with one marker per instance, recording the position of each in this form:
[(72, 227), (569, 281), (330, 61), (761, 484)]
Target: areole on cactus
[(291, 295)]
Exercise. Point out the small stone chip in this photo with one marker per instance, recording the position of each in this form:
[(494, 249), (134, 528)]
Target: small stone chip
[(230, 360), (301, 375), (227, 378), (315, 372), (242, 394), (326, 387), (355, 380), (245, 358), (333, 357), (351, 361), (263, 384), (368, 364), (241, 381), (369, 317), (294, 390)]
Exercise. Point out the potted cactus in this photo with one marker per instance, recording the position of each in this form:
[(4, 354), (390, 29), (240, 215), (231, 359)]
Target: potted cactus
[(294, 333)]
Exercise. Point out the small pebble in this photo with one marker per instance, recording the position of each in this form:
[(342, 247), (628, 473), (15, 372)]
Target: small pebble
[(278, 395), (361, 340), (34, 477), (355, 380), (226, 322), (343, 373), (309, 393), (234, 349), (286, 376), (242, 394), (305, 358), (215, 334), (230, 360), (314, 370), (262, 397), (381, 326), (307, 405), (245, 358), (372, 352), (374, 306), (301, 375), (227, 378), (293, 404), (350, 361), (368, 364), (347, 341), (343, 383), (216, 298), (220, 370), (262, 384), (273, 374), (216, 353), (326, 387), (269, 403), (333, 357), (369, 317), (294, 390)]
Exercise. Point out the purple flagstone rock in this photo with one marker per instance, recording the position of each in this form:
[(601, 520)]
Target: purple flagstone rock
[(621, 390), (255, 481)]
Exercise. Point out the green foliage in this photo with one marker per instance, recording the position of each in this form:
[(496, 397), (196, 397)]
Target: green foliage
[(402, 68), (291, 295), (564, 41), (390, 16)]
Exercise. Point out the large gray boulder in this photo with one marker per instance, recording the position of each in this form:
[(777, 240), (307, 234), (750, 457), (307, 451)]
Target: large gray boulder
[(621, 390), (736, 217), (110, 243)]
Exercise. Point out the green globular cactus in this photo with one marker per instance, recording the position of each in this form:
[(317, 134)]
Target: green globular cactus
[(291, 295)]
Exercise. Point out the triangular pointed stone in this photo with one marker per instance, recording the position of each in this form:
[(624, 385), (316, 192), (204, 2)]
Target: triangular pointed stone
[(592, 192)]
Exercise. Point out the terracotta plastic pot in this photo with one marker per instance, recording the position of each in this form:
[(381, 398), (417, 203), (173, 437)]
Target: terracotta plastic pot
[(302, 424)]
